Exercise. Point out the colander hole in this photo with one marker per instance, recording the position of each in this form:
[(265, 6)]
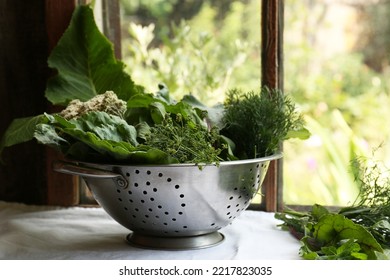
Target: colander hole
[(177, 231), (185, 227), (183, 205), (169, 179), (160, 174), (136, 171), (238, 210), (131, 200), (240, 196), (150, 210), (228, 206), (151, 199), (231, 198), (125, 208), (136, 185), (127, 174), (166, 213), (180, 213), (177, 187), (230, 217), (142, 201), (251, 170), (228, 213), (165, 224), (213, 224), (147, 183), (146, 216), (130, 192), (159, 206), (181, 195), (257, 166), (134, 216), (120, 199), (145, 192), (236, 189), (237, 205), (136, 209), (118, 191), (165, 232), (148, 172), (157, 217), (173, 219), (144, 222), (154, 189)]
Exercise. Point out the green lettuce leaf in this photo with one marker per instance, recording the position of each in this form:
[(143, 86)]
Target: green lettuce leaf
[(86, 65)]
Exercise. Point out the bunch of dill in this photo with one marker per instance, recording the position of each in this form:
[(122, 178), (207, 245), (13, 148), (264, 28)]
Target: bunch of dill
[(257, 122)]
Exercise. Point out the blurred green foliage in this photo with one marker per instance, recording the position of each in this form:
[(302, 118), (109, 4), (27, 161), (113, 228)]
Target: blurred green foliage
[(207, 47), (204, 55)]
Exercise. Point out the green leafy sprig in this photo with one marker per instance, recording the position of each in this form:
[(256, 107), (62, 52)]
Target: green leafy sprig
[(187, 141), (257, 122), (359, 231)]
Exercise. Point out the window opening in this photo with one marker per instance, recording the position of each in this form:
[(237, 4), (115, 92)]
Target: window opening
[(336, 67)]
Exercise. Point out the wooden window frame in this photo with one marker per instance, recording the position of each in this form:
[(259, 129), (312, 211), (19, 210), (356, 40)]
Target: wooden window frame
[(64, 189)]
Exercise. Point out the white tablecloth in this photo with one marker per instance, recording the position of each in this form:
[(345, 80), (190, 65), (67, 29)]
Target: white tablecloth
[(46, 232)]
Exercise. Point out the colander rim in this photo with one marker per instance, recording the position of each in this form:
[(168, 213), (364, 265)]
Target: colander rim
[(274, 156)]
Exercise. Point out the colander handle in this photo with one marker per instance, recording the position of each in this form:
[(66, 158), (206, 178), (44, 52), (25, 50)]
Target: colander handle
[(87, 172)]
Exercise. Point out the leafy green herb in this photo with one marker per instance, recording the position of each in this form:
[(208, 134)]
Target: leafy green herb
[(360, 231), (258, 122), (187, 141)]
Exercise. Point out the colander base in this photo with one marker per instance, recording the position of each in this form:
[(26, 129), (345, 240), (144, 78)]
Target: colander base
[(175, 243)]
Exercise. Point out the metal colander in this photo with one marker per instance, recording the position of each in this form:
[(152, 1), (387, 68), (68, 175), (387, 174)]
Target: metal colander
[(176, 206)]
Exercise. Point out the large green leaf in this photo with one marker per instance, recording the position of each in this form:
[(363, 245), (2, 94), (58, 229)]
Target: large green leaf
[(215, 113), (19, 131), (332, 227), (97, 136), (86, 64), (104, 126)]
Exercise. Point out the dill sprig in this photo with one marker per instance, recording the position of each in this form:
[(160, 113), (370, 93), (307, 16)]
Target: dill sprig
[(373, 180), (371, 208), (184, 140)]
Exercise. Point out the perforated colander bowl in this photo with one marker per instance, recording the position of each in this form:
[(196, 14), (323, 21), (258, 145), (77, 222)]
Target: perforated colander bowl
[(176, 206)]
